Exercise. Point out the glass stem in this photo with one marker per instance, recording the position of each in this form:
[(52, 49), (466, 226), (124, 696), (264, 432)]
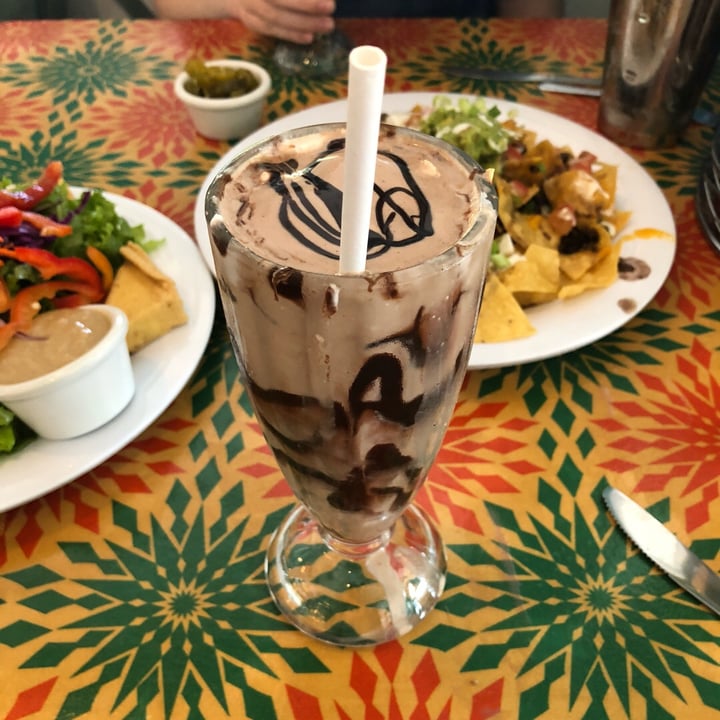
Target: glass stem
[(355, 550)]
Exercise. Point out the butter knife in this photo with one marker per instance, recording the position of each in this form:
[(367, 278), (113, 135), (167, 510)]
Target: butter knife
[(664, 549), (586, 90), (514, 76)]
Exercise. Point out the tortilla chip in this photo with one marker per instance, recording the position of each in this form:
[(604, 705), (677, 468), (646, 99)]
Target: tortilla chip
[(580, 190), (536, 278), (606, 175), (525, 228), (577, 264), (529, 230), (601, 275), (501, 318), (148, 297), (620, 219), (535, 164)]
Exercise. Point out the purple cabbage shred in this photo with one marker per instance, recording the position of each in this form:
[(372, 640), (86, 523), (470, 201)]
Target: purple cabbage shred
[(25, 236), (80, 207)]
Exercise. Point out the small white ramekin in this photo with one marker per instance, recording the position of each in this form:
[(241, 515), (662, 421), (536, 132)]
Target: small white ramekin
[(82, 395), (226, 118)]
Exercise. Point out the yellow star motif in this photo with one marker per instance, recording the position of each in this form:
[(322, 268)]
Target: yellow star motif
[(600, 598), (183, 604)]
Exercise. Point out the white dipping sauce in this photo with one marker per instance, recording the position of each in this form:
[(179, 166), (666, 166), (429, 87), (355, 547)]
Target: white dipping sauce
[(56, 338)]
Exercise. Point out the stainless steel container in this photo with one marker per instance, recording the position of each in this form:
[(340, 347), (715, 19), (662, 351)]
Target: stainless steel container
[(707, 200), (658, 58)]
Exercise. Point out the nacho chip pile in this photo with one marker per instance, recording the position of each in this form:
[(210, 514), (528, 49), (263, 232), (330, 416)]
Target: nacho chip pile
[(556, 208), (559, 210)]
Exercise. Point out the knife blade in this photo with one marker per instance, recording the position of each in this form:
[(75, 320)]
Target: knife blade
[(570, 89), (664, 549), (514, 76)]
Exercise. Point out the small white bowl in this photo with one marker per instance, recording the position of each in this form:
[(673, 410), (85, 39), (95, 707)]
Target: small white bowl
[(83, 394), (226, 118)]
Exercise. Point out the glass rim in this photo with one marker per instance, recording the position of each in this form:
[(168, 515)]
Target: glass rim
[(487, 200)]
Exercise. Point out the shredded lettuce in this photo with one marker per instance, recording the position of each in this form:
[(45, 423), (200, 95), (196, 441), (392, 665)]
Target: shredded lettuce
[(94, 221), (14, 434), (7, 433), (470, 125)]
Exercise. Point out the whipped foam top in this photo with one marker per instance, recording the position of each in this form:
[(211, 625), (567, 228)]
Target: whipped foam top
[(285, 202)]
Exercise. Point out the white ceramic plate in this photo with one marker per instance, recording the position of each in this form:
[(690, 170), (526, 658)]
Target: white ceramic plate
[(161, 371), (563, 325)]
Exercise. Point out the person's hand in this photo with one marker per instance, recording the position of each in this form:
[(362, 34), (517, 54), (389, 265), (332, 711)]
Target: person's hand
[(294, 20)]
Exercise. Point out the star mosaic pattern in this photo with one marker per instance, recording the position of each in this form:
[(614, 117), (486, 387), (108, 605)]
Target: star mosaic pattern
[(139, 590)]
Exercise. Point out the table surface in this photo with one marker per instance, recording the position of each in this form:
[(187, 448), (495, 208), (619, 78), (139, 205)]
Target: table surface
[(138, 591)]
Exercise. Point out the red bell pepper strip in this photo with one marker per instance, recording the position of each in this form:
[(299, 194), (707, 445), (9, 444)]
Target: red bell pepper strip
[(71, 275), (10, 216), (47, 226), (26, 304), (30, 196), (4, 295), (50, 265)]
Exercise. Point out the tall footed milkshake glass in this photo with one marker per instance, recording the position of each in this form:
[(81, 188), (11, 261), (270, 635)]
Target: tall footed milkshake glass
[(353, 377)]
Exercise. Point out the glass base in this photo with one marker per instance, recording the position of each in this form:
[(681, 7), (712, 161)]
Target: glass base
[(348, 594)]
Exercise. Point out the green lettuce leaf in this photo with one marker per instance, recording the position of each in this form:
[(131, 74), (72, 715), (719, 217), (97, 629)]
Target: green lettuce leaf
[(470, 125)]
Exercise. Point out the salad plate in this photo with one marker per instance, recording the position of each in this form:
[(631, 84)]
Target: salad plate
[(561, 325), (161, 370)]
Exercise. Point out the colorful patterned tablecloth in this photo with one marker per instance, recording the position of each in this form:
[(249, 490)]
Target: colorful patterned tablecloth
[(138, 590)]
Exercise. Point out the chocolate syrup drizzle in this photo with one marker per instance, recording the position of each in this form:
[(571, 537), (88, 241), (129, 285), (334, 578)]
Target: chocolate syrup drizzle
[(358, 490), (305, 193)]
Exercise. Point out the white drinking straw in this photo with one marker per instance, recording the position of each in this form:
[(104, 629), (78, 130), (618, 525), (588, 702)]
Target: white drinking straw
[(366, 81)]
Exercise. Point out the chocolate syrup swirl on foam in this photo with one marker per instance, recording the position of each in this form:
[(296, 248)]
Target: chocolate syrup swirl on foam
[(306, 194), (310, 211)]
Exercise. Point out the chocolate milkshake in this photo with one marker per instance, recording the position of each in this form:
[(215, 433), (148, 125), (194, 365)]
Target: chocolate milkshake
[(353, 377)]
